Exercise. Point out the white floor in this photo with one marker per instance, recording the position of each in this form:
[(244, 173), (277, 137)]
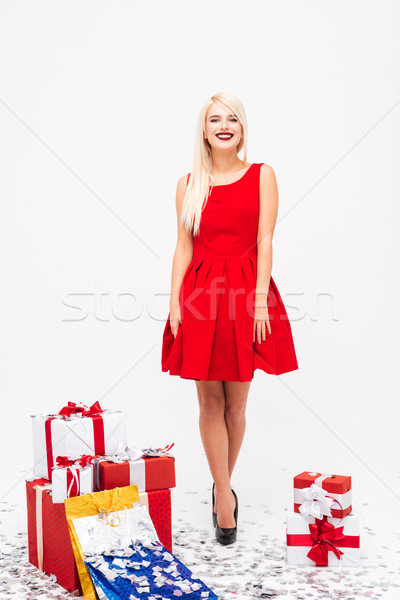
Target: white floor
[(253, 567)]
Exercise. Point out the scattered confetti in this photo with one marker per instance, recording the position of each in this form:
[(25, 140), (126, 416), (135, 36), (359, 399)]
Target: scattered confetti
[(242, 571)]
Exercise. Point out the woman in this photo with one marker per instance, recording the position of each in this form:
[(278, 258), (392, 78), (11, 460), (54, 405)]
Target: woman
[(226, 317)]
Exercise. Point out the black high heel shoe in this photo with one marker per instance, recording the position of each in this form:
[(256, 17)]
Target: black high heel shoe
[(214, 515), (227, 535)]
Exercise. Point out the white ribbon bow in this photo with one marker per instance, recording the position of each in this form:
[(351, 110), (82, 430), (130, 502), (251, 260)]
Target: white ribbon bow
[(316, 503), (124, 453)]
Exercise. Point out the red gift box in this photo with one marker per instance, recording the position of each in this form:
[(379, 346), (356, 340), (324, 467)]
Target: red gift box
[(148, 473), (337, 487), (48, 529), (158, 503), (49, 542)]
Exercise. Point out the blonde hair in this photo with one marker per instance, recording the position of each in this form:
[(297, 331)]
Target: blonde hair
[(198, 188)]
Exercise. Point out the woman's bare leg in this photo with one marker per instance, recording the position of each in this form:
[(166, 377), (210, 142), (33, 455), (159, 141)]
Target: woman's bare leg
[(222, 427), (214, 435), (236, 393)]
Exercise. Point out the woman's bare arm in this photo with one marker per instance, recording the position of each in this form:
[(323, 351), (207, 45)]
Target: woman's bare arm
[(269, 199), (182, 257)]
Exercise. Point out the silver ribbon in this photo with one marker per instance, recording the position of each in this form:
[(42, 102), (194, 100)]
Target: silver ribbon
[(158, 451), (124, 453)]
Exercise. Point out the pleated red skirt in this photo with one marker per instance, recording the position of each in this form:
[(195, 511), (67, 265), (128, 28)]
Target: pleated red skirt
[(215, 339)]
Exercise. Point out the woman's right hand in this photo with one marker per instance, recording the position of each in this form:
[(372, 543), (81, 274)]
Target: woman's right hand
[(175, 318)]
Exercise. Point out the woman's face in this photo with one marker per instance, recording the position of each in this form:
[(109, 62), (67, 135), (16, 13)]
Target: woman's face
[(220, 121)]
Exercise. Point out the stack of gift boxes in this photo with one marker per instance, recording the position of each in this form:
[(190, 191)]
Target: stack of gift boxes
[(84, 450), (322, 530)]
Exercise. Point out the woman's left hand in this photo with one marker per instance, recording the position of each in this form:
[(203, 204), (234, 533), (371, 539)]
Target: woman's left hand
[(261, 323)]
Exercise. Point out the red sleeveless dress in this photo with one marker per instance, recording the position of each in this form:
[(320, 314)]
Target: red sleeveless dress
[(215, 337)]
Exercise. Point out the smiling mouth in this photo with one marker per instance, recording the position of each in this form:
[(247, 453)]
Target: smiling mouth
[(224, 136)]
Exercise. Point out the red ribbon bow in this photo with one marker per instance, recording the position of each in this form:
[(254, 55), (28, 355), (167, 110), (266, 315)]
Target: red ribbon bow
[(85, 459), (65, 461), (85, 411), (324, 535)]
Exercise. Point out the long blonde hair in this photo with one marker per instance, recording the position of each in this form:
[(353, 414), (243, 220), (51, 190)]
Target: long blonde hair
[(198, 188)]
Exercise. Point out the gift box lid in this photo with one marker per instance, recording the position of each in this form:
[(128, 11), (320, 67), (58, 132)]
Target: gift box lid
[(338, 484)]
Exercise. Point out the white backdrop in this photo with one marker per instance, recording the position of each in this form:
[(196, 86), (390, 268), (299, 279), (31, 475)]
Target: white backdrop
[(98, 104)]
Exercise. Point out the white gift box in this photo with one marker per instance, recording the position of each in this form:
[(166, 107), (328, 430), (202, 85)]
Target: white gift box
[(74, 480), (300, 541), (74, 435)]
